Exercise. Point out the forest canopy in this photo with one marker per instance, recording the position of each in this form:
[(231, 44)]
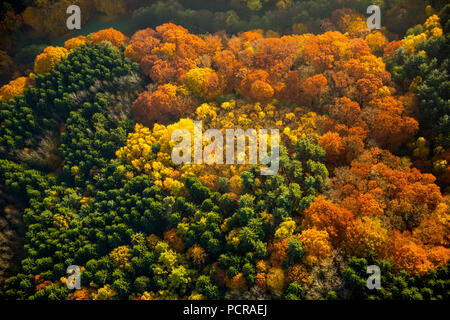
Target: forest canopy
[(87, 179)]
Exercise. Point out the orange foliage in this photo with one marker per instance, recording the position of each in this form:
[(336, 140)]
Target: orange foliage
[(174, 240), (41, 283), (386, 112), (266, 68), (110, 7), (116, 38), (276, 280), (261, 91), (278, 253), (81, 294), (346, 111), (141, 44), (164, 105), (406, 254), (298, 274), (203, 83), (314, 85), (238, 283), (261, 282), (325, 215), (391, 47), (435, 228), (228, 68), (334, 147)]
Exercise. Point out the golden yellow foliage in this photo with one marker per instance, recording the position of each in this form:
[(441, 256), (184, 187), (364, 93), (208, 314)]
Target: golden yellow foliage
[(276, 281), (365, 235), (74, 43), (204, 83), (47, 60), (116, 38), (376, 41), (60, 221), (148, 296), (104, 293), (197, 254), (14, 88), (120, 257), (285, 230), (317, 245)]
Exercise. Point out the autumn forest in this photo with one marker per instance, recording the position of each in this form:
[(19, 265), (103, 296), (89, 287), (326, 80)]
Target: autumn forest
[(87, 179)]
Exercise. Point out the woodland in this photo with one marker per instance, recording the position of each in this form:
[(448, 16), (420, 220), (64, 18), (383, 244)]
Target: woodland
[(87, 179)]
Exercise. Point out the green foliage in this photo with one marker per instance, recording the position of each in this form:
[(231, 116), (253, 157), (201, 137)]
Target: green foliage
[(433, 90), (396, 286), (295, 251), (294, 292), (206, 287), (132, 235), (90, 141), (21, 182), (43, 106)]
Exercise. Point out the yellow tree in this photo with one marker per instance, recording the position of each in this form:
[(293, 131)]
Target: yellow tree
[(47, 59), (14, 88), (204, 83)]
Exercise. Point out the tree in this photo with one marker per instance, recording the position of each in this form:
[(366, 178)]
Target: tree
[(377, 42), (166, 231), (334, 147), (261, 91), (314, 86), (295, 251), (294, 291), (276, 281), (179, 279), (204, 83), (325, 215), (206, 287), (74, 43), (164, 105), (197, 254), (388, 111), (346, 111), (116, 38), (49, 17), (316, 245), (47, 60), (13, 88)]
